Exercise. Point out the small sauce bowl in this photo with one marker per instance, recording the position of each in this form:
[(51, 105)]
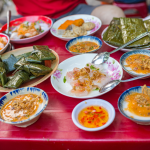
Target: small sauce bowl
[(83, 39), (93, 102)]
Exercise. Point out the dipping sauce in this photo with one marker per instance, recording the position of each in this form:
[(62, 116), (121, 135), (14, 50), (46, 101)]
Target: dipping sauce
[(93, 116), (139, 63), (21, 107), (83, 47), (139, 103)]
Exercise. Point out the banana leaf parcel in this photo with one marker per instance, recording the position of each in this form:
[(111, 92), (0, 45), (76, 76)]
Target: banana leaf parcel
[(9, 63), (32, 68), (113, 34), (43, 52), (131, 28), (16, 81), (3, 77)]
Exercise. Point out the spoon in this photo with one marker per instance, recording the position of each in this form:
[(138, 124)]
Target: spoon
[(110, 85), (8, 22), (7, 30), (103, 57)]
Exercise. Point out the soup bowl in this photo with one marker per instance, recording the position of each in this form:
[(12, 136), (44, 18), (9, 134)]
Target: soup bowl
[(128, 54), (122, 105), (21, 91), (83, 39)]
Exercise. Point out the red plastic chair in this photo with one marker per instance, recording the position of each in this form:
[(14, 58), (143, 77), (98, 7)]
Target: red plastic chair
[(141, 8)]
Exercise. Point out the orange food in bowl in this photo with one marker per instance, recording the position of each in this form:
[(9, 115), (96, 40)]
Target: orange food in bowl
[(93, 116)]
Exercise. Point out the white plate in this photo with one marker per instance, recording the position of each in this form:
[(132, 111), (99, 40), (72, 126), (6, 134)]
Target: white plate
[(45, 23), (93, 102), (86, 18), (124, 49), (112, 67)]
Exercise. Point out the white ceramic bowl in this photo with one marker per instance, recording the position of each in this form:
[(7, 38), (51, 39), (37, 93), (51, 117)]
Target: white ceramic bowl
[(111, 67), (93, 102), (128, 69), (21, 91), (8, 40), (83, 39), (86, 18), (122, 105)]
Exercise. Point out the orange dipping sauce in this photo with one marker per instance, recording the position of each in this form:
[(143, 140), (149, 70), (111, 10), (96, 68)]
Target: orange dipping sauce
[(93, 116)]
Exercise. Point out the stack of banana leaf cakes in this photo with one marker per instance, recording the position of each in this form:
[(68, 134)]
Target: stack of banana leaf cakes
[(25, 67), (123, 30)]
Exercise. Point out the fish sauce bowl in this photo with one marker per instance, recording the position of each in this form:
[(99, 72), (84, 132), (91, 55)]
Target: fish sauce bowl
[(122, 105), (93, 102), (83, 39), (21, 91), (126, 55)]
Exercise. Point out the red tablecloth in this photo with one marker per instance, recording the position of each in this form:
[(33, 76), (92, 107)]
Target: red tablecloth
[(55, 129)]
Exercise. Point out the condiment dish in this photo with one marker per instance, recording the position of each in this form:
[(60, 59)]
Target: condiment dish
[(83, 39), (26, 90), (122, 105), (8, 41), (93, 102), (126, 55)]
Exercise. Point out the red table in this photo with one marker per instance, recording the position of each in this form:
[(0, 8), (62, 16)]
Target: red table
[(55, 129)]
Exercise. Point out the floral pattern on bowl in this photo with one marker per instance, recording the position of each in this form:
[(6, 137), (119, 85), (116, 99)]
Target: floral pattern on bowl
[(112, 67), (86, 18)]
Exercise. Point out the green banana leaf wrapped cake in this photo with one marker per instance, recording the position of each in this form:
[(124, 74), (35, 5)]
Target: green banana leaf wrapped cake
[(32, 68), (131, 28), (122, 30), (113, 34), (43, 52), (16, 81)]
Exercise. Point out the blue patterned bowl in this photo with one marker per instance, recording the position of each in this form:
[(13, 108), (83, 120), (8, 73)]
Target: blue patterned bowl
[(122, 104), (128, 69), (21, 91), (82, 39)]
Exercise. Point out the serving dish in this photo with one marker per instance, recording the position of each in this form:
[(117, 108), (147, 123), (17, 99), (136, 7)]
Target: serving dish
[(122, 104), (93, 102), (6, 46), (124, 64), (86, 18), (112, 67), (44, 22), (36, 81), (82, 39), (26, 90)]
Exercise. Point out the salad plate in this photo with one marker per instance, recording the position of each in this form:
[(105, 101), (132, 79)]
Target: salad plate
[(86, 18), (112, 68), (44, 22)]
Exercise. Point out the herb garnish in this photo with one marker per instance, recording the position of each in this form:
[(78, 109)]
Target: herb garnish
[(64, 79)]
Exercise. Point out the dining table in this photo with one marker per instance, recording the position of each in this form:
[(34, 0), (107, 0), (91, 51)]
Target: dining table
[(55, 128)]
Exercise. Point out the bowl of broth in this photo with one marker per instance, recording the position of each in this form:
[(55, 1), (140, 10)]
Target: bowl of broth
[(83, 44), (23, 107)]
